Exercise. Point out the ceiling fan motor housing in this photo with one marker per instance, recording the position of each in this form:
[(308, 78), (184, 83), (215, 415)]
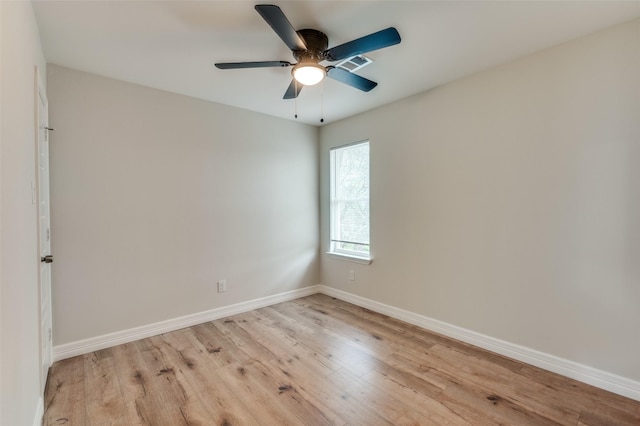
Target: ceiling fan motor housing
[(316, 41)]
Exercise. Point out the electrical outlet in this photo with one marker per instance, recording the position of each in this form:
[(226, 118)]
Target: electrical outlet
[(222, 286), (352, 275)]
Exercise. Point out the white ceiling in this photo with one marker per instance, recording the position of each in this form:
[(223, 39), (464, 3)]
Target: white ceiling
[(172, 45)]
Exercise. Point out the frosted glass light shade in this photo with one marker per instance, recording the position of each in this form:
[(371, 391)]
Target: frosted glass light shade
[(309, 74)]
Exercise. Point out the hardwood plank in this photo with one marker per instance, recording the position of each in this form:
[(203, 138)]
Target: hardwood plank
[(242, 340), (196, 410), (347, 354), (104, 402), (384, 403), (288, 348), (268, 401), (406, 379), (417, 366), (325, 391), (65, 393), (178, 364), (198, 366), (256, 402), (225, 407), (602, 414), (481, 407), (131, 371), (580, 395), (356, 336), (159, 408), (306, 410), (434, 412), (220, 349), (163, 376), (500, 386)]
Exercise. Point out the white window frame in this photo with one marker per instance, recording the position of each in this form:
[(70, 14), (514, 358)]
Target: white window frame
[(334, 250)]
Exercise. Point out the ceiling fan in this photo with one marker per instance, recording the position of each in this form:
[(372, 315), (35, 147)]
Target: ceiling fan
[(309, 48)]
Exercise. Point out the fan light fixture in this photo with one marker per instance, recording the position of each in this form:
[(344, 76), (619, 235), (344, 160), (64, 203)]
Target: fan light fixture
[(308, 73)]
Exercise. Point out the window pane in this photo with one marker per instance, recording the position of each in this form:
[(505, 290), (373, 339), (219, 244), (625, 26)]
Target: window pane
[(354, 221), (350, 199)]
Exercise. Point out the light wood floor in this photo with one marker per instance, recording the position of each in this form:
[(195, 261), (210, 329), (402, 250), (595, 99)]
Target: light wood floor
[(316, 361)]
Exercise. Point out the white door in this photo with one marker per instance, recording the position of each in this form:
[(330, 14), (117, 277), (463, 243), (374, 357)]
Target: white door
[(44, 229)]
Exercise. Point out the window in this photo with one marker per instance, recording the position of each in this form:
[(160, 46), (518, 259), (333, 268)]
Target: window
[(349, 207)]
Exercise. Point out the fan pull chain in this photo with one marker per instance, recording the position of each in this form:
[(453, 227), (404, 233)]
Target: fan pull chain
[(295, 91), (322, 101)]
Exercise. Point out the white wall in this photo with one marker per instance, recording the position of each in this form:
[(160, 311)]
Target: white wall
[(156, 196), (508, 202), (20, 379)]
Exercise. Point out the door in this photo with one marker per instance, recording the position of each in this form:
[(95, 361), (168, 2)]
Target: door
[(44, 230)]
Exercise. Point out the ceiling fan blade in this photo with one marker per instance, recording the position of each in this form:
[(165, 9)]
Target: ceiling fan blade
[(351, 79), (293, 90), (375, 41), (281, 25), (263, 64)]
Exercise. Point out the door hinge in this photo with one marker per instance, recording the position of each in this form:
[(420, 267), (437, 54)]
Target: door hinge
[(46, 133)]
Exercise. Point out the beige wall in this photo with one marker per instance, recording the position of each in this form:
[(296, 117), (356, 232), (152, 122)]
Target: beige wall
[(157, 196), (508, 202), (19, 339)]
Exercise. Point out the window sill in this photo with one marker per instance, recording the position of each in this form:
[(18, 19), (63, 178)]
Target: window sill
[(349, 258)]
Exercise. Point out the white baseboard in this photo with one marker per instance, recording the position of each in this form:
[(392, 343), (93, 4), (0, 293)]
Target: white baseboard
[(85, 346), (37, 419), (592, 376)]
